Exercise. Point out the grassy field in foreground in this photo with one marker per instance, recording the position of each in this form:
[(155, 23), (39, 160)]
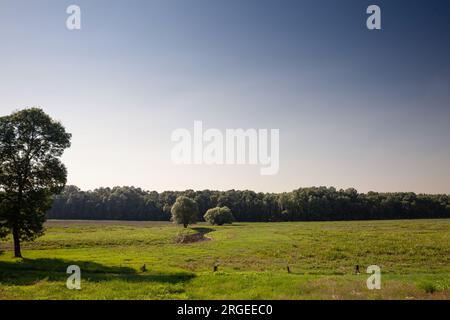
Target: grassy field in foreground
[(414, 256)]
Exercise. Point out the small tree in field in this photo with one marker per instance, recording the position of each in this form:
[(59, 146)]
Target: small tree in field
[(31, 144), (219, 216), (184, 211)]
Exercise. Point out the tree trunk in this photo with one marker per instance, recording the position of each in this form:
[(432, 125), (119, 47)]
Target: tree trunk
[(17, 252)]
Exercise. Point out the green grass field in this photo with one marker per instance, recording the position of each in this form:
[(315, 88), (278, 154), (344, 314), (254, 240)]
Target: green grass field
[(414, 257)]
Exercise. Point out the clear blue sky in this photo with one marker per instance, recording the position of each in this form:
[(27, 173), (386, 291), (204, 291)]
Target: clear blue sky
[(355, 108)]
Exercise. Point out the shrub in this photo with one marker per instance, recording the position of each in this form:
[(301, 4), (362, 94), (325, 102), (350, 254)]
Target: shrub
[(184, 211), (219, 216), (428, 287)]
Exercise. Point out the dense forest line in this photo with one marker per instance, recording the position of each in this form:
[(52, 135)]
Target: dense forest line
[(304, 204)]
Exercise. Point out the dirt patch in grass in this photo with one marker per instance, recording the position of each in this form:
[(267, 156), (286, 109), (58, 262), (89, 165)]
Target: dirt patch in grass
[(191, 238), (199, 236)]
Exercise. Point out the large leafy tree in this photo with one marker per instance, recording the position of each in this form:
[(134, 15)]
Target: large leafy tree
[(31, 144), (219, 216), (184, 211)]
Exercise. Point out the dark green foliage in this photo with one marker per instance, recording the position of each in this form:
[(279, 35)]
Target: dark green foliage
[(428, 287), (184, 211), (3, 231), (219, 216), (31, 144), (304, 204)]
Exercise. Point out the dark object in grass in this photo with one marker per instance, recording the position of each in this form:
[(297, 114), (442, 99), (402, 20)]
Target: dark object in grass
[(288, 269), (143, 268), (428, 287), (357, 269), (216, 267)]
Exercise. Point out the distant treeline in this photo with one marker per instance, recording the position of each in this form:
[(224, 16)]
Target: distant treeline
[(304, 204)]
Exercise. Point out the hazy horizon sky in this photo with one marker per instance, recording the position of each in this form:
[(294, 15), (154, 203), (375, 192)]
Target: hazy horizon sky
[(355, 108)]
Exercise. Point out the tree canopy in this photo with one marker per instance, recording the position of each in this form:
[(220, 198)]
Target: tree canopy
[(31, 144), (184, 211), (219, 216), (304, 204)]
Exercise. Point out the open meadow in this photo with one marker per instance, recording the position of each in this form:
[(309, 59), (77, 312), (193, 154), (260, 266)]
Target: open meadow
[(252, 261)]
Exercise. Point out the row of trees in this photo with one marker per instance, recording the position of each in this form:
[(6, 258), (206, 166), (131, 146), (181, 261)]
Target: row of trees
[(304, 204)]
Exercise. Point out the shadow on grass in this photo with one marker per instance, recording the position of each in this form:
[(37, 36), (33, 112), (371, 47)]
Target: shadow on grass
[(29, 271), (203, 230)]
